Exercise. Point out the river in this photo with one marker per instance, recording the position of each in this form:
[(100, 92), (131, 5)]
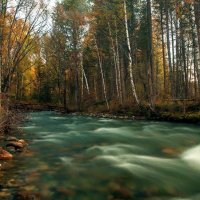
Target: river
[(84, 158)]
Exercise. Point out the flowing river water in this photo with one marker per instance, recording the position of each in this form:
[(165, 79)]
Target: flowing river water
[(85, 158)]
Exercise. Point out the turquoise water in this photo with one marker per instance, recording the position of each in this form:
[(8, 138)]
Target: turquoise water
[(84, 158)]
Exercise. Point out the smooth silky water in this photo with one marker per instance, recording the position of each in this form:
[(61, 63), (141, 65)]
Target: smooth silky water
[(84, 158)]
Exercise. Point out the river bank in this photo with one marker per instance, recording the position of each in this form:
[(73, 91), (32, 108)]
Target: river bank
[(190, 118), (10, 119), (191, 114), (13, 152)]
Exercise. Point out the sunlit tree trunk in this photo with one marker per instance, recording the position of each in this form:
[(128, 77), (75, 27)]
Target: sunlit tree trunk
[(169, 45), (150, 56), (163, 52), (130, 60)]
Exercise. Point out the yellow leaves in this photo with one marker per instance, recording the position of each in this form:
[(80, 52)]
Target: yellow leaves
[(182, 8), (189, 1)]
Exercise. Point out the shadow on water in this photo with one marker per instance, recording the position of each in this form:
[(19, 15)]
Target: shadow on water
[(83, 158)]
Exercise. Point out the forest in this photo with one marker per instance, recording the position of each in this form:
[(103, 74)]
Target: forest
[(101, 55)]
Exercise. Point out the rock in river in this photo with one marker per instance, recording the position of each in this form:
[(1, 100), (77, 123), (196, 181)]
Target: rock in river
[(11, 139), (17, 145), (4, 155), (27, 196)]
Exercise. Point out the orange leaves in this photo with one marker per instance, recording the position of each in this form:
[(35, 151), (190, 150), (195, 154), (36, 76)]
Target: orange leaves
[(181, 7), (189, 1)]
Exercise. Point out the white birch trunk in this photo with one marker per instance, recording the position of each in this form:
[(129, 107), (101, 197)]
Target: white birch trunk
[(84, 77), (102, 75), (129, 55)]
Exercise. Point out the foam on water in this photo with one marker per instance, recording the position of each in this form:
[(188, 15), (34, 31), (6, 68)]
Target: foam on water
[(66, 160), (52, 140), (192, 157), (115, 149), (29, 127)]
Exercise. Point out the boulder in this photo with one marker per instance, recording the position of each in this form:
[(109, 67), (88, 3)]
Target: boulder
[(11, 139), (5, 155), (22, 142), (17, 145)]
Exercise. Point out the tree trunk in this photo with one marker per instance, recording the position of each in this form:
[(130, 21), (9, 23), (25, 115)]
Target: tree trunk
[(150, 57), (163, 53), (118, 66), (184, 60), (197, 19), (65, 92), (173, 56), (169, 45), (102, 74), (114, 59), (130, 61), (3, 8)]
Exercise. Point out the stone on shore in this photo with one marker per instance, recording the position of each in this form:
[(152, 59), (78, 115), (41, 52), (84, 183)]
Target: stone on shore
[(5, 155), (11, 139), (17, 145)]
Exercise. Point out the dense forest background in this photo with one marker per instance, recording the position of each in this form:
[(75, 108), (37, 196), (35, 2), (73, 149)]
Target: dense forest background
[(101, 54)]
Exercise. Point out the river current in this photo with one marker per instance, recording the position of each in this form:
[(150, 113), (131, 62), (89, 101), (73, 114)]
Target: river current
[(84, 158)]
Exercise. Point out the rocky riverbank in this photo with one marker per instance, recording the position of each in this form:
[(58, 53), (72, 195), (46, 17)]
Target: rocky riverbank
[(169, 113), (11, 149), (169, 117), (10, 146)]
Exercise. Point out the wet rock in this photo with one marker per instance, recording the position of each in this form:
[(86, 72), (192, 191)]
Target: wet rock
[(16, 145), (170, 151), (12, 183), (22, 141), (5, 166), (28, 153), (5, 155), (11, 139), (2, 137), (27, 196), (65, 191), (119, 192), (11, 149), (4, 194)]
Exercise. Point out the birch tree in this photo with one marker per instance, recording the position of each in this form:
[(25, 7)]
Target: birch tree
[(130, 60)]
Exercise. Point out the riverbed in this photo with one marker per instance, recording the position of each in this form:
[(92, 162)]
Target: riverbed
[(87, 158)]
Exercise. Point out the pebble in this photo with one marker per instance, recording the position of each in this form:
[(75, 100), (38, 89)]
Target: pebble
[(5, 155)]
